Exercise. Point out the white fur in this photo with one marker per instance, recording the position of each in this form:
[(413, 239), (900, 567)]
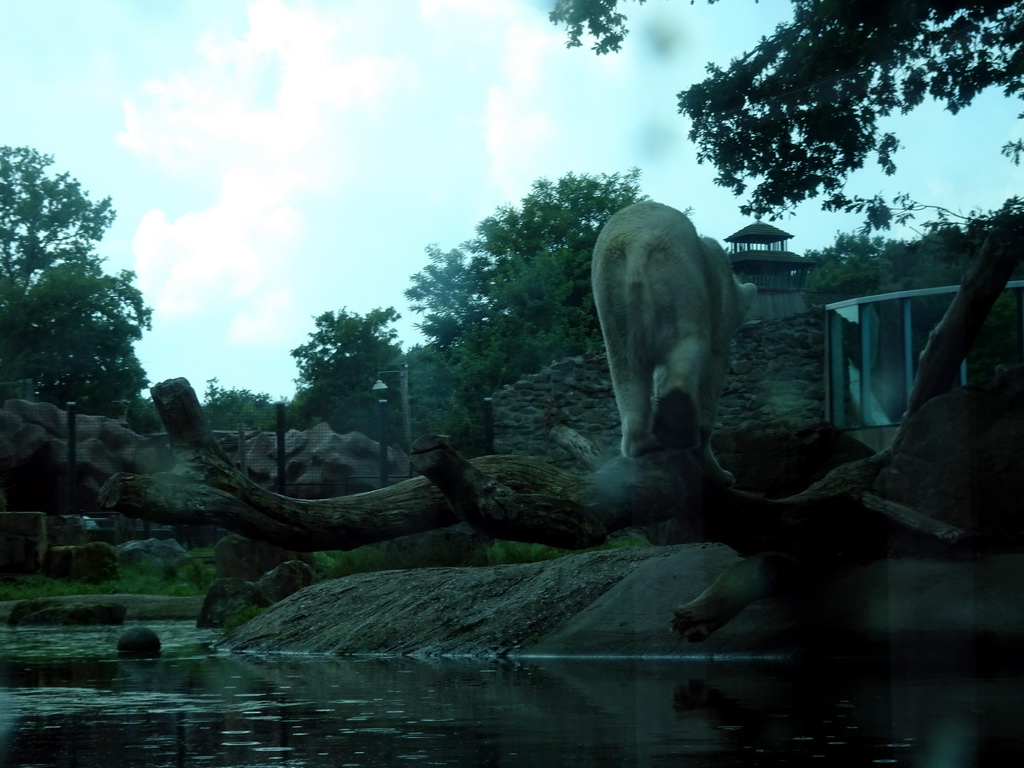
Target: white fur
[(669, 306)]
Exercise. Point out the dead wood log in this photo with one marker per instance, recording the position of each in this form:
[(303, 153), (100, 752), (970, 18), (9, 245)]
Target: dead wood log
[(586, 454)]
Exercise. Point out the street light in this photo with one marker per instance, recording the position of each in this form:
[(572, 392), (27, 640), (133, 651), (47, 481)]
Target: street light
[(379, 385)]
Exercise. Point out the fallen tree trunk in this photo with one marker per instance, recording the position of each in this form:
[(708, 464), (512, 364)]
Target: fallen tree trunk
[(505, 497), (205, 489)]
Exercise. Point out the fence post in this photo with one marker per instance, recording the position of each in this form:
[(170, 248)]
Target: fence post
[(280, 448), (488, 426), (382, 413), (72, 459)]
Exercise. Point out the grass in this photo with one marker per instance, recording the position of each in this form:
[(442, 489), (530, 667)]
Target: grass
[(191, 578), (195, 576)]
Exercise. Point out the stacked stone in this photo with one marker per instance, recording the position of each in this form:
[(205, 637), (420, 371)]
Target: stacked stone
[(776, 374), (576, 392)]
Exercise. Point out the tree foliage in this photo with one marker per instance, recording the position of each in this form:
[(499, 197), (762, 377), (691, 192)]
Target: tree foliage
[(229, 408), (863, 265), (338, 366), (64, 323), (517, 296), (789, 120)]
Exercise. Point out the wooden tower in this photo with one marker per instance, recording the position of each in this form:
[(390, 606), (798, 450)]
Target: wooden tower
[(759, 254)]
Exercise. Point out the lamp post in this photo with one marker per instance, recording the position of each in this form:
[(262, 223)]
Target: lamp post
[(379, 386)]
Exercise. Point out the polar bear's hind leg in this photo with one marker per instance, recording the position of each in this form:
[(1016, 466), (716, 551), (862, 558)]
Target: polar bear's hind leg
[(675, 421)]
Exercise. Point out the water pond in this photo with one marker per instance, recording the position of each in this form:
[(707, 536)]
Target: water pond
[(67, 699)]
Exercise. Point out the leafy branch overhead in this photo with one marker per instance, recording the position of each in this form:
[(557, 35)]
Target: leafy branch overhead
[(790, 119)]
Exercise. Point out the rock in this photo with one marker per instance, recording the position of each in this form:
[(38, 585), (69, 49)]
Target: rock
[(287, 579), (237, 557), (780, 459), (226, 597), (33, 454), (961, 461), (141, 640), (69, 614), (154, 551), (23, 541), (95, 561), (487, 611), (23, 608), (914, 612)]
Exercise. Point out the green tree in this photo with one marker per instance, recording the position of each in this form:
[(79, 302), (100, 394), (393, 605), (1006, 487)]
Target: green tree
[(338, 367), (517, 296), (862, 265), (64, 323), (226, 408)]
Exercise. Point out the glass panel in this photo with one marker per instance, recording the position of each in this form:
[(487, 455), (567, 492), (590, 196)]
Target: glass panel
[(844, 366), (884, 396), (927, 311)]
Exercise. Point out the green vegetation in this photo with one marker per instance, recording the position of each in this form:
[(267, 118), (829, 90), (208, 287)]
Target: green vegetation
[(195, 576), (227, 408), (191, 578), (338, 366), (515, 297), (64, 323)]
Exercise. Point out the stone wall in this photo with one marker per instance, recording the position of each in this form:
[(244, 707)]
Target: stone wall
[(776, 374)]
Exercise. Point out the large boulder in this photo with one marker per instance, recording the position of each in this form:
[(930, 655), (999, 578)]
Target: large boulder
[(618, 603), (227, 597), (962, 461), (34, 455), (285, 580), (158, 552), (319, 463)]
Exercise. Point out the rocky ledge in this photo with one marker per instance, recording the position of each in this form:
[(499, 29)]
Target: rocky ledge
[(619, 603)]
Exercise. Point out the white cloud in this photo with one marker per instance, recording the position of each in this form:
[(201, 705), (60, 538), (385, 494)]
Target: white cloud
[(270, 318), (227, 255), (264, 116)]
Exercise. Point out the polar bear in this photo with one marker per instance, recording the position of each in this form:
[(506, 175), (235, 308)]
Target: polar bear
[(669, 306)]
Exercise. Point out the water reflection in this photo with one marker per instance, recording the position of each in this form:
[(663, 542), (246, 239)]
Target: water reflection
[(69, 700)]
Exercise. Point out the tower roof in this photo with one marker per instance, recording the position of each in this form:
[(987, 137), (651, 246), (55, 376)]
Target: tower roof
[(758, 232)]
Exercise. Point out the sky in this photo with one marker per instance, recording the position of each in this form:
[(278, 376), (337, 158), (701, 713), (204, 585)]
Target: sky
[(273, 160)]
